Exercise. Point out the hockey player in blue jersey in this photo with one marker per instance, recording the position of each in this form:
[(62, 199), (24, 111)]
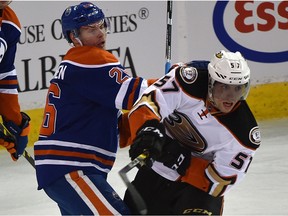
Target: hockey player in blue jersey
[(15, 121), (78, 139)]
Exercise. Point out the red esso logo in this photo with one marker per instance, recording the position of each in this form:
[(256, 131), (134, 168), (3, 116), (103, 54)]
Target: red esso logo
[(258, 29), (270, 15)]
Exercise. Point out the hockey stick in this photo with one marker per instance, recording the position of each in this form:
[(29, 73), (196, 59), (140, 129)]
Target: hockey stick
[(27, 156), (138, 200), (168, 36)]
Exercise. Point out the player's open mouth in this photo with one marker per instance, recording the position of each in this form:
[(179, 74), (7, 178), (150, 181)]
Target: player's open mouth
[(227, 105), (102, 44)]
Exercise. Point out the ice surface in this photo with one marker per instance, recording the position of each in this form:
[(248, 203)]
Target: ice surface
[(264, 191)]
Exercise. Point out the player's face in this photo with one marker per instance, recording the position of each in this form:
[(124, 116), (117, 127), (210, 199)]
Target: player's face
[(94, 35), (3, 4), (226, 96)]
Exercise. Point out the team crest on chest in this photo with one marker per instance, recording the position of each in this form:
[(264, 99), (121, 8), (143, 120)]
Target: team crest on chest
[(183, 130), (189, 74)]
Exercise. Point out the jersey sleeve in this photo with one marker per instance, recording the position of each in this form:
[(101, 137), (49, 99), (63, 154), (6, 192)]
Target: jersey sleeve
[(102, 79), (230, 162), (217, 177), (9, 37), (10, 108), (108, 85), (157, 102)]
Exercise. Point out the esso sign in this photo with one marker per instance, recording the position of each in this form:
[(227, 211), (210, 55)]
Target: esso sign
[(258, 29), (271, 15)]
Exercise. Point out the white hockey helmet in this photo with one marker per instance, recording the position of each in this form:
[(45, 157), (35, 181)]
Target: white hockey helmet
[(229, 68)]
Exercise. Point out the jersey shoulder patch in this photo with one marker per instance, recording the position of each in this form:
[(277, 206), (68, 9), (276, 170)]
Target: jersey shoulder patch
[(193, 79), (243, 126)]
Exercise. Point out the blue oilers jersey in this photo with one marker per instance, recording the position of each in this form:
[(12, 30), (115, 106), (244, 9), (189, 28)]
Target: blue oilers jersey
[(80, 124), (10, 31)]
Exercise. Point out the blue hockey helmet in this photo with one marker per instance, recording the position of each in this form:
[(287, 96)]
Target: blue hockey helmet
[(80, 15)]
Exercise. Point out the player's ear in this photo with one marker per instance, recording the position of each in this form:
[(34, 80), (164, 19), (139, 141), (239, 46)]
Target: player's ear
[(72, 37), (75, 40)]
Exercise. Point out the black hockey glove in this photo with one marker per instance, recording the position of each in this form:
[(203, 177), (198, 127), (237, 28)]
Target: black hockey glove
[(175, 156), (150, 139)]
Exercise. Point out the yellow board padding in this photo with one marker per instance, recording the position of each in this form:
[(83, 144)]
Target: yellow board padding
[(267, 101), (36, 116)]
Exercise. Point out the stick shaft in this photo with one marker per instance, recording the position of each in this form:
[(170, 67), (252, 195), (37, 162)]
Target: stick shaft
[(138, 200), (168, 36)]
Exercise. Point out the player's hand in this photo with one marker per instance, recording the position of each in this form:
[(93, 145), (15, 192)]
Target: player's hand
[(175, 156), (150, 139), (16, 140), (9, 145)]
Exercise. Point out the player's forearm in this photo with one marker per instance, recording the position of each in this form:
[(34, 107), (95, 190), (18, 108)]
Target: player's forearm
[(10, 108)]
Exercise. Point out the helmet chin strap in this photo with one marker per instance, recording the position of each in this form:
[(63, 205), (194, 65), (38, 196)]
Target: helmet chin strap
[(79, 41)]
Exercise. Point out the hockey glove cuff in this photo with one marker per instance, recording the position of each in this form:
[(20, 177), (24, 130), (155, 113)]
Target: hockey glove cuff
[(150, 139), (18, 135)]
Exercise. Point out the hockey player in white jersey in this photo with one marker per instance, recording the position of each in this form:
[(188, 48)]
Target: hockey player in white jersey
[(198, 129)]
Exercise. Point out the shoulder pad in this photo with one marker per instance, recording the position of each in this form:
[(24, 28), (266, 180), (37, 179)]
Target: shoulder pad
[(201, 64), (193, 81)]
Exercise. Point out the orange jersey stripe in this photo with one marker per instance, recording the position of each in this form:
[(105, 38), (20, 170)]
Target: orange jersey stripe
[(9, 15), (195, 174), (9, 82), (132, 95), (26, 131), (151, 81), (73, 154), (85, 54), (137, 119), (90, 194)]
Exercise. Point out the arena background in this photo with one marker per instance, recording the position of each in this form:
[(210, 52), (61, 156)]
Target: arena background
[(259, 29)]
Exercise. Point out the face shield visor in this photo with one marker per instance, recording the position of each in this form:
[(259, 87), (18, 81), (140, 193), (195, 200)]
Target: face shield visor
[(229, 93)]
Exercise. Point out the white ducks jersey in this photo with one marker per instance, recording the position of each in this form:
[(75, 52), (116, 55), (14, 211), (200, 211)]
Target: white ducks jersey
[(222, 145)]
